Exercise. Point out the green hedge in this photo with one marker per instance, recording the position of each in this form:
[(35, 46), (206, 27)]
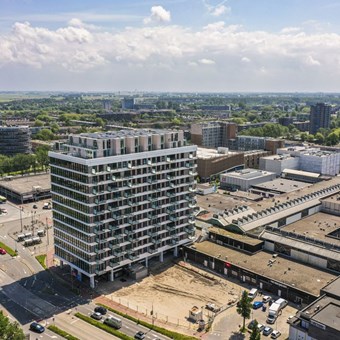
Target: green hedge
[(9, 250), (42, 260), (164, 331), (62, 333), (102, 326)]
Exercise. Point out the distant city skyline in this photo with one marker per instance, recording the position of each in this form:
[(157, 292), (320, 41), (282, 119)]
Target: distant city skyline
[(170, 45)]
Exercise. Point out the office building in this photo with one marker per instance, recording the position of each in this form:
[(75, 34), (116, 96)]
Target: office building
[(15, 140), (120, 198), (320, 117), (278, 163), (128, 103)]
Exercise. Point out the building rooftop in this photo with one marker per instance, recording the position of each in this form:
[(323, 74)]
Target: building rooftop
[(281, 185), (301, 173), (123, 133), (283, 270), (28, 184), (282, 157), (204, 153), (248, 174), (318, 226), (329, 315), (333, 199), (239, 237)]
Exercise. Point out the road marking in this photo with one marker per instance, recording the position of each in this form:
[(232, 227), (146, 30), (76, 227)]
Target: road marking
[(25, 271), (74, 321), (34, 279), (25, 283)]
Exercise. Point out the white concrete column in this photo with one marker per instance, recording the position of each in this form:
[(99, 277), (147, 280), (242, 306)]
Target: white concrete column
[(111, 276), (92, 285), (176, 251), (161, 259), (146, 262)]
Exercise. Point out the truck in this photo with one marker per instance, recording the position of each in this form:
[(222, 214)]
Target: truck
[(275, 309)]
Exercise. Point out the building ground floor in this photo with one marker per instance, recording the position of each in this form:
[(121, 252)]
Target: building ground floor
[(136, 270)]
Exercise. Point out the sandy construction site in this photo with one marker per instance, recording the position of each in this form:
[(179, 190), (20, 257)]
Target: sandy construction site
[(172, 291)]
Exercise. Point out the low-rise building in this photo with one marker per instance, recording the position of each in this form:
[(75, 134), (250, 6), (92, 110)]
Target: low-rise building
[(277, 163), (244, 179)]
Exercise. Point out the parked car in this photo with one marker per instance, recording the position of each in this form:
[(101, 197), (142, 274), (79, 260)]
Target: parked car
[(101, 310), (260, 327), (140, 335), (36, 327), (3, 251), (275, 334), (96, 316), (35, 206), (266, 298), (267, 330), (257, 304), (251, 324)]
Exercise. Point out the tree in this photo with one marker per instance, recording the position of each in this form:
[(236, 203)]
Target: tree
[(255, 333), (10, 330), (42, 156), (45, 134), (320, 139), (244, 307)]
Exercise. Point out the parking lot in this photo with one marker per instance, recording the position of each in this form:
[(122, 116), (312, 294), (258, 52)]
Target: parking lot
[(227, 324)]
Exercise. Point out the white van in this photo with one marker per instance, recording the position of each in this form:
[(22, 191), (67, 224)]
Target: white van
[(113, 322), (253, 293)]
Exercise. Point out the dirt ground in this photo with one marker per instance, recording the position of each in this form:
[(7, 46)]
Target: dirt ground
[(172, 291)]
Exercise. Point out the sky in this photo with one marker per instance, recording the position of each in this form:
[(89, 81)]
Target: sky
[(170, 45)]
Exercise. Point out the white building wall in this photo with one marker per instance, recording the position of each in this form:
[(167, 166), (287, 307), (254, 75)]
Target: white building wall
[(309, 259), (277, 165), (294, 218), (268, 246)]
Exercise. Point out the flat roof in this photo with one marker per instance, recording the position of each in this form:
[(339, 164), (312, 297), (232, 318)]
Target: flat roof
[(204, 153), (247, 174), (316, 226), (329, 315), (298, 275), (301, 173), (245, 239), (301, 244), (333, 199), (28, 184), (282, 185)]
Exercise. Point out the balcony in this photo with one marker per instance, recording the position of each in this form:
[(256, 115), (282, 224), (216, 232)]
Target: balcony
[(190, 231), (156, 242), (132, 256), (191, 189), (118, 253), (170, 227), (173, 219), (152, 250), (101, 240), (114, 263), (113, 227), (114, 246)]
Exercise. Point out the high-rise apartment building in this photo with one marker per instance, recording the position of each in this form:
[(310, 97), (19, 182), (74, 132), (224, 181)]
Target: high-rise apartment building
[(121, 198), (213, 134), (320, 117)]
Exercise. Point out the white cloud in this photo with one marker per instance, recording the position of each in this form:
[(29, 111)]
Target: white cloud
[(205, 61), (159, 15), (289, 30), (216, 10), (139, 53), (311, 61)]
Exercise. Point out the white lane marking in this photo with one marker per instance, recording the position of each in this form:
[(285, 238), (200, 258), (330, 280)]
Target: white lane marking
[(74, 321)]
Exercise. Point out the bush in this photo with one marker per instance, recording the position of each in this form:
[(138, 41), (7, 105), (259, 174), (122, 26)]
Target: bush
[(62, 333), (42, 260), (103, 327), (166, 332), (9, 250)]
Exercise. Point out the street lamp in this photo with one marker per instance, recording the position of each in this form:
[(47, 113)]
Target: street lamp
[(20, 209)]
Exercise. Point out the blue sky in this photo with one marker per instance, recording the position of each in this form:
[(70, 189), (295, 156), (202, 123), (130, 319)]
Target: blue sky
[(171, 45)]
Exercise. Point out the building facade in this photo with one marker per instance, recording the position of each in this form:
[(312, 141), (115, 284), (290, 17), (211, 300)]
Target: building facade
[(320, 117), (213, 134), (120, 198), (15, 140)]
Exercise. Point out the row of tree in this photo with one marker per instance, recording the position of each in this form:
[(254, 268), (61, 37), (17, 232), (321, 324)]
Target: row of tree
[(24, 163), (10, 330)]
